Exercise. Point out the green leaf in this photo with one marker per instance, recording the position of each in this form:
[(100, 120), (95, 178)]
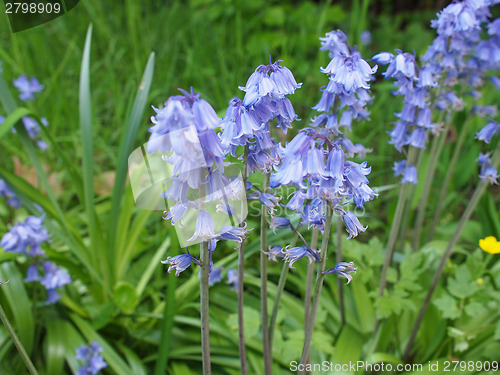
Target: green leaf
[(348, 347), (460, 339), (461, 285), (251, 322), (448, 306), (126, 145), (383, 357), (12, 119), (18, 303), (85, 108), (496, 336), (393, 302), (475, 309), (125, 297), (6, 98)]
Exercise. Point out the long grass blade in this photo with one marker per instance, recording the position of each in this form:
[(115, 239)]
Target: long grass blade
[(85, 106), (126, 146)]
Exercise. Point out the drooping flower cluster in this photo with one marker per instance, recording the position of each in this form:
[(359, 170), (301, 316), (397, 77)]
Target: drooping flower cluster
[(457, 55), (26, 238), (345, 97), (414, 120), (317, 167), (247, 121), (5, 192), (487, 172), (28, 87), (92, 359), (198, 189)]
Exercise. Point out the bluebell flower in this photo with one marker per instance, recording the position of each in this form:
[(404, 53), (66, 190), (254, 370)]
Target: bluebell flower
[(410, 175), (214, 276), (399, 167), (268, 200), (26, 238), (5, 192), (365, 37), (90, 355), (353, 226), (180, 262), (274, 252), (272, 81), (291, 255), (335, 42), (54, 278), (205, 229), (279, 222), (27, 87), (343, 269), (230, 233), (484, 159), (351, 72), (487, 132), (490, 174), (33, 274), (232, 278)]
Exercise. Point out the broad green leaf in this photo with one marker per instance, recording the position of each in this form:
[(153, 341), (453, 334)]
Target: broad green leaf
[(137, 366), (475, 309), (496, 336), (348, 346), (448, 306), (19, 304), (100, 263), (125, 297), (251, 322), (461, 285), (126, 147), (12, 120)]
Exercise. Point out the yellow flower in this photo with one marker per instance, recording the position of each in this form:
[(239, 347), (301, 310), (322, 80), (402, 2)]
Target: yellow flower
[(490, 245)]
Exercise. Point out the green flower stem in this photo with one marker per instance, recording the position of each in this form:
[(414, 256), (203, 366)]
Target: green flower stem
[(340, 284), (241, 270), (403, 191), (393, 234), (310, 271), (205, 333), (437, 147), (279, 292), (306, 350), (17, 343), (167, 323), (456, 235), (449, 174), (263, 284), (407, 208), (309, 281)]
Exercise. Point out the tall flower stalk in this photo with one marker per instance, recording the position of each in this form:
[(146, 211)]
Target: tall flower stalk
[(490, 178), (306, 349)]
